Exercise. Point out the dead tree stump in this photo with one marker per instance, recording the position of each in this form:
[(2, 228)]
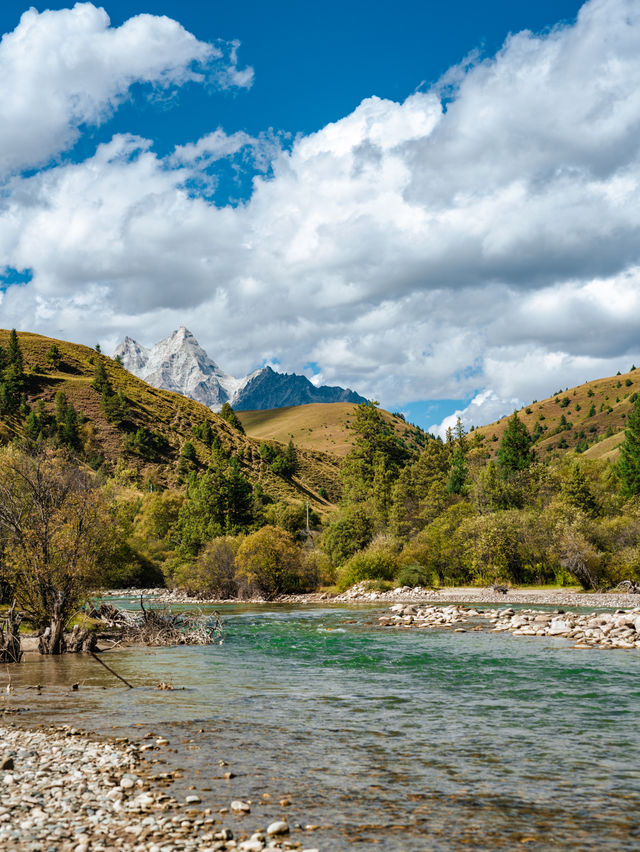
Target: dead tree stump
[(10, 651)]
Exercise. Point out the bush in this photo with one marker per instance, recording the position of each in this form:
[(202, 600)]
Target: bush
[(213, 574), (269, 563), (349, 533), (413, 575), (373, 564)]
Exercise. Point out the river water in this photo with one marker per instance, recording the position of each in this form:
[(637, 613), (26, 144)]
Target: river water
[(387, 740)]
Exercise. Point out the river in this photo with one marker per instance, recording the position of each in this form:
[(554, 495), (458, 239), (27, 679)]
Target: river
[(387, 740)]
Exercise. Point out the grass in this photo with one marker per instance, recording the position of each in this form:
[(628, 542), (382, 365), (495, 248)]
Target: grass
[(603, 430), (319, 426)]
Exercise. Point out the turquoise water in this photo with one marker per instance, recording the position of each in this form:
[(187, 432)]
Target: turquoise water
[(388, 740)]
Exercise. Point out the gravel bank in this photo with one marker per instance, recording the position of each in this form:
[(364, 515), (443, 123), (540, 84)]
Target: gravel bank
[(361, 593), (62, 791), (608, 630)]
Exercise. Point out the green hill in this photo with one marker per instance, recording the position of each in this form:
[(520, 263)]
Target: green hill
[(170, 420), (589, 418)]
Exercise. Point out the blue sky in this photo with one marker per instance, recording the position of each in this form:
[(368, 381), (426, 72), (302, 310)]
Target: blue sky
[(441, 237)]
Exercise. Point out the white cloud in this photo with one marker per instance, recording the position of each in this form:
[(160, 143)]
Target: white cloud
[(488, 250), (62, 69)]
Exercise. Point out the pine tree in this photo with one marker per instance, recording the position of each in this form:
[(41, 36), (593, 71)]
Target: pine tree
[(515, 451), (227, 413), (457, 472), (69, 434), (60, 407), (628, 466), (54, 356), (576, 491), (291, 458), (15, 353)]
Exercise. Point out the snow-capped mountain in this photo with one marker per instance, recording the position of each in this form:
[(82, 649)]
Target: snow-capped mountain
[(178, 363)]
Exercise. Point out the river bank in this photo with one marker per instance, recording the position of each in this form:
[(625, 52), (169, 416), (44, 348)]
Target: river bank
[(363, 593), (60, 789)]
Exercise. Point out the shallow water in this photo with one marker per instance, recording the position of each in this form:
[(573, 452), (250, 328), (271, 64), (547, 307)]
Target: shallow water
[(389, 740)]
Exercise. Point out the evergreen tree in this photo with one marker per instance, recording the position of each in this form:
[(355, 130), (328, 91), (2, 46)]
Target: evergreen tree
[(576, 491), (32, 427), (457, 472), (514, 452), (227, 413), (101, 381), (54, 356), (60, 407), (15, 353), (291, 458), (69, 434), (188, 452), (628, 466)]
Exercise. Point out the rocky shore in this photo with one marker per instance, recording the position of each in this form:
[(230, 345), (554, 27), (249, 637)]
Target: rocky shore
[(605, 630), (363, 593), (62, 791)]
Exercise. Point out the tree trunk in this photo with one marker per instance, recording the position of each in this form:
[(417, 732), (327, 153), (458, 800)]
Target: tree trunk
[(81, 640), (52, 641), (10, 651)]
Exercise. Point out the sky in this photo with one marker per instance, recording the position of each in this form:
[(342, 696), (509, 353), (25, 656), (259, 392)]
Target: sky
[(433, 204)]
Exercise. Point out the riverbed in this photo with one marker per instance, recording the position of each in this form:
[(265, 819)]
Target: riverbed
[(396, 741)]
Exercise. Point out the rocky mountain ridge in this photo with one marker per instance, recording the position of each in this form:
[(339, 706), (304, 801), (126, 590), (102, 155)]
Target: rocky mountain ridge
[(178, 363)]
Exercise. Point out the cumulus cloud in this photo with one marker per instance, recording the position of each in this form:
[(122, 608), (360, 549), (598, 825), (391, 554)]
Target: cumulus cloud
[(479, 240), (62, 69)]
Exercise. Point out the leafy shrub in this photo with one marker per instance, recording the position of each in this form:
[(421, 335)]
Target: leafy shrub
[(372, 564), (413, 575)]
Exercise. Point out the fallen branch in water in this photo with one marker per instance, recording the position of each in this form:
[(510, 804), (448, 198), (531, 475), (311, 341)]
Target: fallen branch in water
[(109, 669)]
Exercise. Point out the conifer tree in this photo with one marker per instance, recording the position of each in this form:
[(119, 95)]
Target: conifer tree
[(515, 451), (15, 353), (457, 472), (628, 466), (576, 491), (227, 413)]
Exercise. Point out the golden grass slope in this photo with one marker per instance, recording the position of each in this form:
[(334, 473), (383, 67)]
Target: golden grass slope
[(595, 415), (319, 426), (170, 414)]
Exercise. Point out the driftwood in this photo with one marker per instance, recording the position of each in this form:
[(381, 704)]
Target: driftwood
[(81, 640), (496, 587), (629, 587), (161, 627), (10, 651), (109, 669)]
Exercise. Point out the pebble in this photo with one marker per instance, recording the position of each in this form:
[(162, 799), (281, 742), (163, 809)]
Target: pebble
[(276, 828), (75, 794)]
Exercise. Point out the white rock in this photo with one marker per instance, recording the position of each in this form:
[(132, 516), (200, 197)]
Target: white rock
[(278, 828)]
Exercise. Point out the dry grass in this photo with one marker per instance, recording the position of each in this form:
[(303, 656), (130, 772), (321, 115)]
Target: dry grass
[(319, 426), (611, 398)]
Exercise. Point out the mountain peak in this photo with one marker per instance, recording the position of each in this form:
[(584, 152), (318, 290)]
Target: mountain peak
[(178, 363)]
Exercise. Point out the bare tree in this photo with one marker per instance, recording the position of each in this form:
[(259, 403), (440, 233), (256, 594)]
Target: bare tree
[(54, 522)]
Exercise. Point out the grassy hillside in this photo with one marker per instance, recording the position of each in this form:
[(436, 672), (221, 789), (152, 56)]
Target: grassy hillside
[(167, 414), (319, 427), (589, 418)]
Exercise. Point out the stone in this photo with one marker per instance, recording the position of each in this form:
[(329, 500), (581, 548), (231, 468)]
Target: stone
[(6, 764), (277, 828), (239, 806), (558, 627), (193, 800)]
